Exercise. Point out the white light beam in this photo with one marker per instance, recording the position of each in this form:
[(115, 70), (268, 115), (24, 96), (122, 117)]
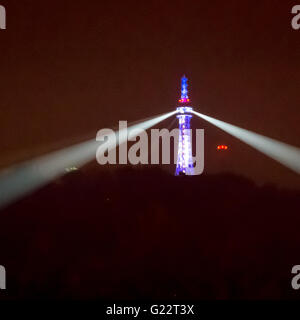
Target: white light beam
[(284, 153)]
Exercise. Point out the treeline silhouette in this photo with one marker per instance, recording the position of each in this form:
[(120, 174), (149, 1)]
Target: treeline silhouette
[(136, 233)]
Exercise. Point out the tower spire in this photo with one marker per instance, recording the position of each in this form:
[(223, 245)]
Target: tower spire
[(184, 90)]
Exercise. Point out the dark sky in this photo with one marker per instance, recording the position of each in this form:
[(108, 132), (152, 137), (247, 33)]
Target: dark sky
[(70, 68)]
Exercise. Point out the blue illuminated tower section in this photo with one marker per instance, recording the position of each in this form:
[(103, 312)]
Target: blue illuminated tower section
[(184, 114)]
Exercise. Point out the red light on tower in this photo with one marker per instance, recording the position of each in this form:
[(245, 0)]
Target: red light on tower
[(222, 147)]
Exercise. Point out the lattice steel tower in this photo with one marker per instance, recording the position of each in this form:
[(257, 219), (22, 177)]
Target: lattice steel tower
[(184, 159)]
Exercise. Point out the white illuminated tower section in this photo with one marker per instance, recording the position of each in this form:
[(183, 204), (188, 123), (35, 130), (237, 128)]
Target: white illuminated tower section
[(184, 159)]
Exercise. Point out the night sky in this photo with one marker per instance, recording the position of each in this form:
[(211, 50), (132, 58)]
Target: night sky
[(70, 68)]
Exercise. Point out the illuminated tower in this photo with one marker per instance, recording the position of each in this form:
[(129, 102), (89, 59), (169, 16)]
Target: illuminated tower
[(184, 159)]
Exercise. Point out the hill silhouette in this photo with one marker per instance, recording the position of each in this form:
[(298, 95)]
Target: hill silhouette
[(135, 233)]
